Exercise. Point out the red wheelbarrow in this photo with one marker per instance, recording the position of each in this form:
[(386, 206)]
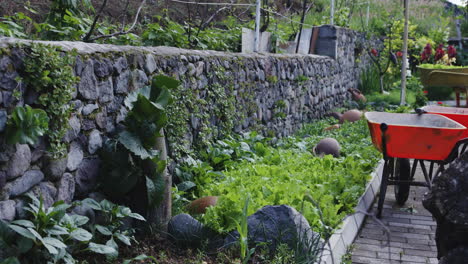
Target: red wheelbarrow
[(422, 137)]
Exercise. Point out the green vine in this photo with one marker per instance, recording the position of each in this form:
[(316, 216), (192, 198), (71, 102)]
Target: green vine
[(49, 72)]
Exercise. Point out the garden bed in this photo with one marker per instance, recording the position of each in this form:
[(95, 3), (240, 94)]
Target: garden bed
[(324, 189)]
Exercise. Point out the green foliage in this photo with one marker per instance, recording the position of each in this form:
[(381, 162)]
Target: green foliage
[(167, 32), (126, 157), (11, 26), (26, 125), (283, 175), (440, 66), (369, 81), (111, 229), (242, 228), (49, 73), (48, 235)]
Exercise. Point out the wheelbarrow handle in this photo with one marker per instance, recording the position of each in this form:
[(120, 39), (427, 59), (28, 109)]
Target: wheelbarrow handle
[(420, 111)]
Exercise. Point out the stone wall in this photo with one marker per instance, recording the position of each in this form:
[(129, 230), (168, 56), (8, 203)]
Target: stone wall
[(220, 92)]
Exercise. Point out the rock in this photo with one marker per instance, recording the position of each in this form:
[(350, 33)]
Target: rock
[(106, 90), (20, 161), (150, 64), (74, 130), (75, 156), (3, 119), (101, 69), (122, 83), (101, 119), (66, 188), (39, 150), (95, 141), (88, 124), (7, 210), (2, 179), (1, 98), (447, 201), (186, 230), (120, 65), (121, 115), (8, 80), (89, 108), (19, 208), (139, 79), (47, 191), (274, 225), (86, 175), (327, 146), (199, 68), (5, 63), (55, 168), (351, 116), (88, 86), (199, 205), (25, 182)]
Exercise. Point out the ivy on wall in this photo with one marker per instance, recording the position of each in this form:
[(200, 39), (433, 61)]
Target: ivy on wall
[(48, 72)]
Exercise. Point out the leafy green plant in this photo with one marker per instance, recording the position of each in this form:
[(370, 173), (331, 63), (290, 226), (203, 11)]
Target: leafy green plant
[(111, 228), (55, 236), (126, 156), (49, 73), (242, 228), (26, 125), (51, 234), (289, 170)]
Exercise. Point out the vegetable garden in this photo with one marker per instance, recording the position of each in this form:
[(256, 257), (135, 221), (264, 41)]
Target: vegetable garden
[(96, 154)]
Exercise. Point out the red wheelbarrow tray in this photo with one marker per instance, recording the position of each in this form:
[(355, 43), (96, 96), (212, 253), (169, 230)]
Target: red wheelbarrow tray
[(413, 136), (457, 114)]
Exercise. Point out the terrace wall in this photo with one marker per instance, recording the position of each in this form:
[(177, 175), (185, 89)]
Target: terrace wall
[(221, 92)]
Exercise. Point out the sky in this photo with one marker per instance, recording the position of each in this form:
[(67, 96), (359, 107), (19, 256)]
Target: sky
[(458, 2)]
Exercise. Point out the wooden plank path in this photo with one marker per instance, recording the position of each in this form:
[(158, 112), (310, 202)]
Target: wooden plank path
[(412, 232)]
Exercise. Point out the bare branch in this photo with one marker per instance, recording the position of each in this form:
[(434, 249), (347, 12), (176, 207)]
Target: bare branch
[(93, 26), (122, 32), (208, 21)]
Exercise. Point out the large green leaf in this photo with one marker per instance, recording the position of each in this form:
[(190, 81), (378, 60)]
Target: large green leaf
[(81, 235), (134, 145), (101, 249), (26, 125), (155, 190), (23, 231), (161, 82)]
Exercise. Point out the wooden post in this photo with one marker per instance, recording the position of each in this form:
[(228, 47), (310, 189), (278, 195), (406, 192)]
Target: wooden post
[(405, 56), (161, 215)]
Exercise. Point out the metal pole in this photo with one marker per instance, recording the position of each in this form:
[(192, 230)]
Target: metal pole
[(405, 56), (367, 16), (257, 26), (332, 11)]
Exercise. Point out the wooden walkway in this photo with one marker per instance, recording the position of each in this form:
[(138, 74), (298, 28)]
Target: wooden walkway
[(411, 237)]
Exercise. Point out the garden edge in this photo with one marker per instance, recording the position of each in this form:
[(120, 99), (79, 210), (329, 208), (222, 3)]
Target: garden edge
[(342, 238)]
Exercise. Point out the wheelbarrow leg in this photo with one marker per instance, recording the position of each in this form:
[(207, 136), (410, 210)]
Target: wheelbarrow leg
[(383, 187), (457, 95)]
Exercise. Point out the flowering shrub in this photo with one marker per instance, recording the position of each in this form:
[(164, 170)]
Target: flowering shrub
[(440, 56)]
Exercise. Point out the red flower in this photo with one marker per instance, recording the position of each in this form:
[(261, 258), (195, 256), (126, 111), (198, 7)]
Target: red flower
[(428, 50), (424, 57), (425, 92), (374, 52), (439, 102), (439, 53), (451, 51), (399, 54)]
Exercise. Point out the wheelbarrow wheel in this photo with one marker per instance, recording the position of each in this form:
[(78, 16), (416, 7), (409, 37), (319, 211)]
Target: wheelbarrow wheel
[(402, 172)]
